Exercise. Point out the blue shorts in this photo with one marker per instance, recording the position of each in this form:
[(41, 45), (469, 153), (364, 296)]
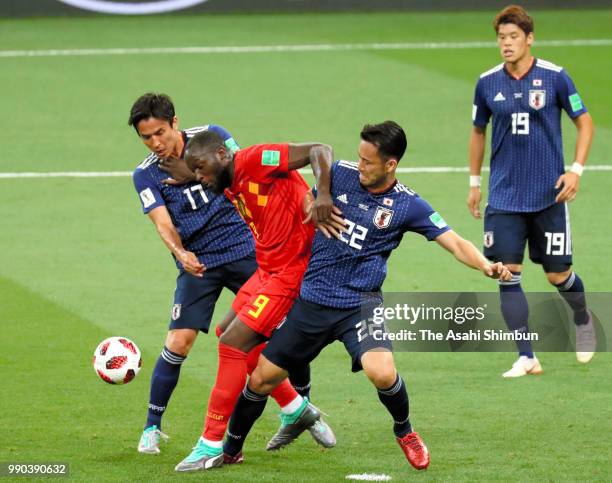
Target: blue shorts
[(195, 297), (547, 232), (310, 327)]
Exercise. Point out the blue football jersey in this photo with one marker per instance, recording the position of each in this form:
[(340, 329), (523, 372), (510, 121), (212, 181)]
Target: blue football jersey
[(340, 271), (207, 223), (526, 145)]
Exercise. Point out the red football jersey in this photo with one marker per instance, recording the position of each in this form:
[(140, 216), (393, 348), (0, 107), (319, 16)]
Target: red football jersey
[(269, 199)]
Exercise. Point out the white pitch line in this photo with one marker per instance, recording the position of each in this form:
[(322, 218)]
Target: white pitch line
[(255, 49), (122, 174), (68, 174), (369, 477)]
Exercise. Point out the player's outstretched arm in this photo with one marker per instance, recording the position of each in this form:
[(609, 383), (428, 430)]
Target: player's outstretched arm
[(467, 253), (476, 154), (570, 180), (320, 157), (167, 232)]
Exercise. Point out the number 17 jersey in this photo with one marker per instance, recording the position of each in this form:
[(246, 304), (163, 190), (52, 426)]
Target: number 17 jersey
[(207, 223)]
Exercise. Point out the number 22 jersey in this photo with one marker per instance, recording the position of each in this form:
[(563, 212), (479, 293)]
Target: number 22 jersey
[(341, 271)]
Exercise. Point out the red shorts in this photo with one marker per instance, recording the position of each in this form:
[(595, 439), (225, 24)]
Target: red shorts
[(266, 298)]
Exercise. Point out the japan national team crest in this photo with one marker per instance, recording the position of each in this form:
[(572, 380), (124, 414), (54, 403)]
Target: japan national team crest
[(382, 217), (176, 311), (488, 239), (537, 98)]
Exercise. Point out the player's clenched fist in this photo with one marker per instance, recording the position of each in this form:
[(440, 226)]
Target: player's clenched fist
[(191, 263)]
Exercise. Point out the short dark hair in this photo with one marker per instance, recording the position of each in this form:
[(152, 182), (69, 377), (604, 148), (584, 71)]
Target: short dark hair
[(203, 142), (514, 14), (151, 104), (388, 137)]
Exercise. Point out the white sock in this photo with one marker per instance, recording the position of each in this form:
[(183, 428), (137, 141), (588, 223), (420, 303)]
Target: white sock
[(293, 406), (212, 444)]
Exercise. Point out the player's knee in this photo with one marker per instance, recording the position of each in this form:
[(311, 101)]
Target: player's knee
[(257, 382), (382, 375), (382, 378), (180, 341), (266, 376), (557, 278)]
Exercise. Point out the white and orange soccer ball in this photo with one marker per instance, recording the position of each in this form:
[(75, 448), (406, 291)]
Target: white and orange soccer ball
[(117, 360)]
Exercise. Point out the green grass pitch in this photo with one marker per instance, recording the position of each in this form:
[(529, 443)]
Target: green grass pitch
[(79, 262)]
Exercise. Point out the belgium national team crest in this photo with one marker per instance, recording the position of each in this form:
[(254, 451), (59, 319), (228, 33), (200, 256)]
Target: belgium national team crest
[(382, 217), (537, 98)]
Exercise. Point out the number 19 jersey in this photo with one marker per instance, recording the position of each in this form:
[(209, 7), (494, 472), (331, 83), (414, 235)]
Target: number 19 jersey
[(526, 142)]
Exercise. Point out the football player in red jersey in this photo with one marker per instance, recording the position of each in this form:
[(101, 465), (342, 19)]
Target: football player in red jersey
[(263, 184)]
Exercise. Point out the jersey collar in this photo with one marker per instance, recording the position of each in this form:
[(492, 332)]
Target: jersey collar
[(381, 193), (533, 63)]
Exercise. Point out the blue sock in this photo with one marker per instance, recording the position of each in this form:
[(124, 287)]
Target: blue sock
[(163, 381), (249, 407), (395, 399), (300, 380), (515, 310), (572, 290)]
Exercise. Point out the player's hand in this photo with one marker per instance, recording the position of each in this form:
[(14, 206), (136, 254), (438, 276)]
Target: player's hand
[(177, 168), (321, 209), (335, 226), (570, 182), (497, 271), (190, 263), (473, 201)]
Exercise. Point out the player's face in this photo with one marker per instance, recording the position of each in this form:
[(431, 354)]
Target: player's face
[(513, 44), (374, 170), (212, 170), (160, 136)]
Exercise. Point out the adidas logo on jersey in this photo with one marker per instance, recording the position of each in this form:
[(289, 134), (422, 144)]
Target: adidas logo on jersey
[(343, 198), (499, 97)]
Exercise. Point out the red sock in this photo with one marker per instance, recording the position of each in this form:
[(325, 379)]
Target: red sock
[(284, 393), (231, 377)]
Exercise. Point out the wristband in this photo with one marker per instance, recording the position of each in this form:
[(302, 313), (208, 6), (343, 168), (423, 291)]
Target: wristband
[(577, 168), (475, 181)]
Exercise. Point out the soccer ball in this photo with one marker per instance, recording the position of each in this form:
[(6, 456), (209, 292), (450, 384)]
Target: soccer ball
[(117, 360)]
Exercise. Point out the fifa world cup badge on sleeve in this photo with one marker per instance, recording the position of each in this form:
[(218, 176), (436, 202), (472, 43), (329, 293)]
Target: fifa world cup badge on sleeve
[(147, 197), (576, 102), (270, 158), (437, 220)]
